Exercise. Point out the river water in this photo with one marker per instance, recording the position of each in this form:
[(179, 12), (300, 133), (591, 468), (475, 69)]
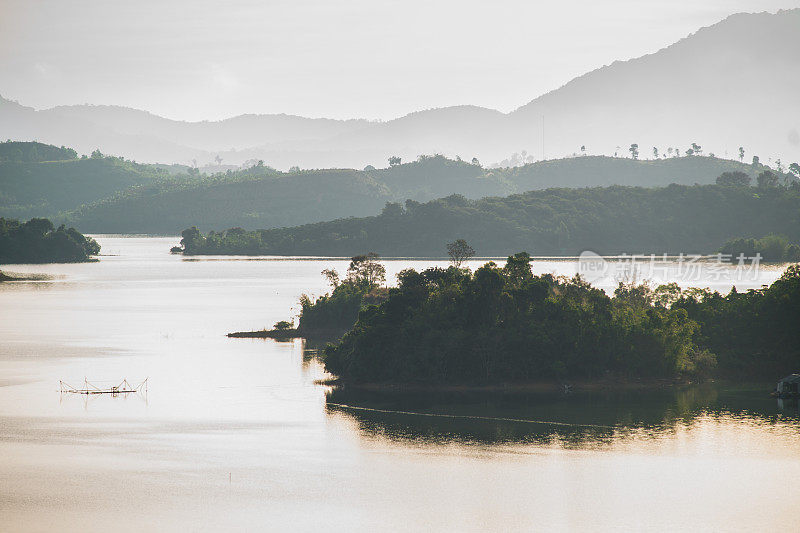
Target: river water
[(234, 434)]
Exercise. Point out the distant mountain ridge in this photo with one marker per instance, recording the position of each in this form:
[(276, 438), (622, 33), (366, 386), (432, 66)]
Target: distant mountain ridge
[(727, 85)]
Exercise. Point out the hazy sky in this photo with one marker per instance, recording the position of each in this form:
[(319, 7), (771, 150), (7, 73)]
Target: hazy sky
[(198, 59)]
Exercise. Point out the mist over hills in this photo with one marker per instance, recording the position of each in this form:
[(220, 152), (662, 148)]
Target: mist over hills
[(728, 85), (111, 194), (145, 137), (260, 197)]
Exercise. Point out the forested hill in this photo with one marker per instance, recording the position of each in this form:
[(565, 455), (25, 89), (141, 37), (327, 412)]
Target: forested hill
[(106, 194), (39, 180), (672, 219), (34, 152), (263, 198), (601, 171)]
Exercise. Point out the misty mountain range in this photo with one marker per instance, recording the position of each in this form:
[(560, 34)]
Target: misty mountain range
[(728, 85)]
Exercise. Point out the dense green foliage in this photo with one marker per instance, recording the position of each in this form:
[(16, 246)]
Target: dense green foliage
[(278, 199), (734, 179), (773, 248), (755, 333), (109, 194), (37, 241), (48, 187), (505, 324), (260, 197), (673, 219), (33, 152), (263, 197), (335, 313), (599, 171)]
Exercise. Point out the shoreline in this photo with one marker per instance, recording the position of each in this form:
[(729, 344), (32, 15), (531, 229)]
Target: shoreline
[(614, 257), (277, 334), (286, 334), (545, 386)]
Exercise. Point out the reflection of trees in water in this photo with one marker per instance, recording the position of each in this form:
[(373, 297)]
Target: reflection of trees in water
[(411, 428), (575, 420)]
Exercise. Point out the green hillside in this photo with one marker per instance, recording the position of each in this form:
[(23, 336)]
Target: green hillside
[(594, 171), (41, 180), (672, 219), (280, 199), (34, 152), (110, 194), (268, 199)]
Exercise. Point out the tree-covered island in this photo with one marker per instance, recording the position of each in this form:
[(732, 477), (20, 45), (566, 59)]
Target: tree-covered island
[(38, 241), (504, 325)]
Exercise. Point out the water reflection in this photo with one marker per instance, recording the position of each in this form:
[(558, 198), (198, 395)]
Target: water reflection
[(575, 420), (789, 405)]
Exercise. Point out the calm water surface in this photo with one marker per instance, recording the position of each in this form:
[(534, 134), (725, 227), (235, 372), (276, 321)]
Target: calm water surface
[(234, 434)]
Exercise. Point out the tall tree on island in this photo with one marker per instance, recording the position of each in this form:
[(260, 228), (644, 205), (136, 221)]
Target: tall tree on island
[(459, 251), (365, 271)]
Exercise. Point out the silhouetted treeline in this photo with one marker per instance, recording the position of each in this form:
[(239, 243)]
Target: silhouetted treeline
[(38, 241), (673, 219), (500, 324), (333, 314), (33, 152), (774, 248), (505, 325), (754, 333)]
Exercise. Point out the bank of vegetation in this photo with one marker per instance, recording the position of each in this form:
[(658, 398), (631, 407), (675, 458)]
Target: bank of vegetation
[(503, 324), (38, 241), (607, 220), (771, 248), (752, 334)]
